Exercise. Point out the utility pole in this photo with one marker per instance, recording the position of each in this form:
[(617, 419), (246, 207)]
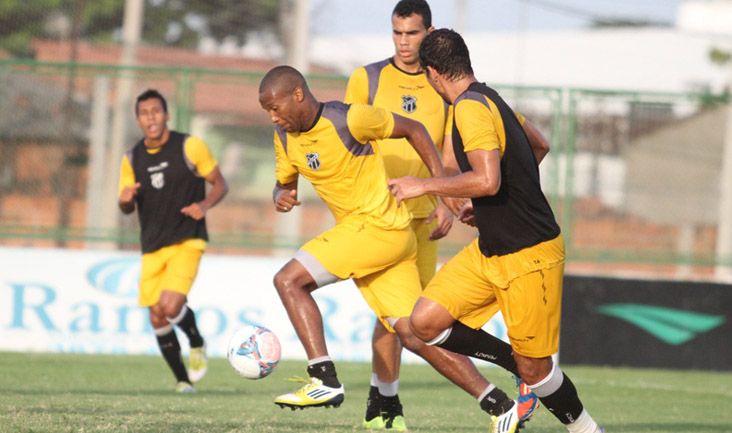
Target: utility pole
[(65, 180), (295, 27), (131, 32), (461, 16), (296, 35), (723, 270)]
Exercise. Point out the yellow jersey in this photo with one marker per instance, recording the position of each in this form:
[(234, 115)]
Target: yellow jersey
[(383, 85), (338, 156)]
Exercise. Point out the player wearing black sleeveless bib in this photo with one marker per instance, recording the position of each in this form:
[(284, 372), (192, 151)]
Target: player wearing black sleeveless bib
[(399, 85), (164, 177), (517, 262)]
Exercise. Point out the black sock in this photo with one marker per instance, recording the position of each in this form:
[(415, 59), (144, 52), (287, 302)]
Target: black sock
[(496, 402), (480, 344), (170, 348), (373, 403), (564, 403), (326, 372), (188, 325)]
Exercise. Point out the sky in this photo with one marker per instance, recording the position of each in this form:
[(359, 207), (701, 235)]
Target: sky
[(373, 16)]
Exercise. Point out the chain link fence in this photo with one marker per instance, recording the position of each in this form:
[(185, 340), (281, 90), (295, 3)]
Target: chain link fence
[(633, 178)]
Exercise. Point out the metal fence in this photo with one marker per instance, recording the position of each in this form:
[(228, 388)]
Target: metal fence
[(633, 177)]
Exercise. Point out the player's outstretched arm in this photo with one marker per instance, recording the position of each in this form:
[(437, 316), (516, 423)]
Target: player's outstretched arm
[(484, 179), (451, 169), (417, 135), (127, 198), (538, 143), (444, 216), (448, 156), (219, 188), (284, 196)]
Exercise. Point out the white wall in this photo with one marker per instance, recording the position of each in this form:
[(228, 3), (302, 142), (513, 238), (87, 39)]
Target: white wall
[(645, 59), (54, 300)]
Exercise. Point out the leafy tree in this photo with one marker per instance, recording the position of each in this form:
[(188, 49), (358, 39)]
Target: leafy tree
[(719, 56), (169, 22), (218, 19)]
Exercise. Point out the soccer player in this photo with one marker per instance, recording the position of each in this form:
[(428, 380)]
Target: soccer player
[(517, 262), (164, 176), (332, 145), (399, 85)]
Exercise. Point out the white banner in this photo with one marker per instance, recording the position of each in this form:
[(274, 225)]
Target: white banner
[(55, 300)]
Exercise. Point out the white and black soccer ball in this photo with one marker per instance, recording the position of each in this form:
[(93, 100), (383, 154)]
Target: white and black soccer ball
[(254, 352)]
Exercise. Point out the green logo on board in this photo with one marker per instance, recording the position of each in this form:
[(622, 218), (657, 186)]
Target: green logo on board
[(672, 326)]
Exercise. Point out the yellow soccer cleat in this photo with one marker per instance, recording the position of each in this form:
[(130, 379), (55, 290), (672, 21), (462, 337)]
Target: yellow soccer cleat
[(198, 363), (375, 423), (395, 423), (392, 414), (312, 394), (185, 388), (508, 422)]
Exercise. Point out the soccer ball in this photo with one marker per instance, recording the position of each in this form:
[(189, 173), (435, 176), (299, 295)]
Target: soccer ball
[(254, 352)]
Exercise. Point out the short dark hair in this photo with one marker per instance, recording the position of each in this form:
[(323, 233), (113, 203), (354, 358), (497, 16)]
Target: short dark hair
[(149, 94), (283, 78), (405, 8), (446, 52)]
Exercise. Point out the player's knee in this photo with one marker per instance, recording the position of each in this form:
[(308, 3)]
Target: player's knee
[(157, 320), (410, 341), (168, 305), (533, 370), (171, 309), (422, 327), (284, 282)]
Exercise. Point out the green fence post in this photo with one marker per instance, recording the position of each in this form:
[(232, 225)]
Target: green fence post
[(570, 148), (183, 99), (555, 140)]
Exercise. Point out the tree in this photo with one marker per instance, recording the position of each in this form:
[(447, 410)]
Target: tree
[(168, 22), (719, 56)]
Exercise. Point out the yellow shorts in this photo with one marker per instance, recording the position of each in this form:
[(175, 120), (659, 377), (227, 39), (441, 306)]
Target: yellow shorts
[(170, 268), (381, 262), (426, 249), (526, 286)]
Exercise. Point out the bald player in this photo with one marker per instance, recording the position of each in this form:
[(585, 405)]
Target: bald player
[(332, 145)]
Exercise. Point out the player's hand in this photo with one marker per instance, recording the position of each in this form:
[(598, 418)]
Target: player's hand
[(454, 204), (405, 187), (444, 221), (466, 215), (129, 193), (196, 210), (286, 199)]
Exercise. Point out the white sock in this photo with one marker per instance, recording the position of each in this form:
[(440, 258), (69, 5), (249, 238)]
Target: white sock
[(388, 389), (165, 330), (317, 360), (485, 392), (584, 424), (550, 384), (179, 317)]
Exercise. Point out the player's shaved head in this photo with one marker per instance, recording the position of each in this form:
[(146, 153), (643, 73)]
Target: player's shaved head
[(282, 79), (284, 94)]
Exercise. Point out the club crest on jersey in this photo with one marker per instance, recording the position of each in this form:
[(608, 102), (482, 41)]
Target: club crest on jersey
[(157, 180), (313, 160), (409, 104)]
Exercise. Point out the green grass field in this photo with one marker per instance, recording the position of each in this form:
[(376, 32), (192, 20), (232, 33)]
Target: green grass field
[(87, 393)]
